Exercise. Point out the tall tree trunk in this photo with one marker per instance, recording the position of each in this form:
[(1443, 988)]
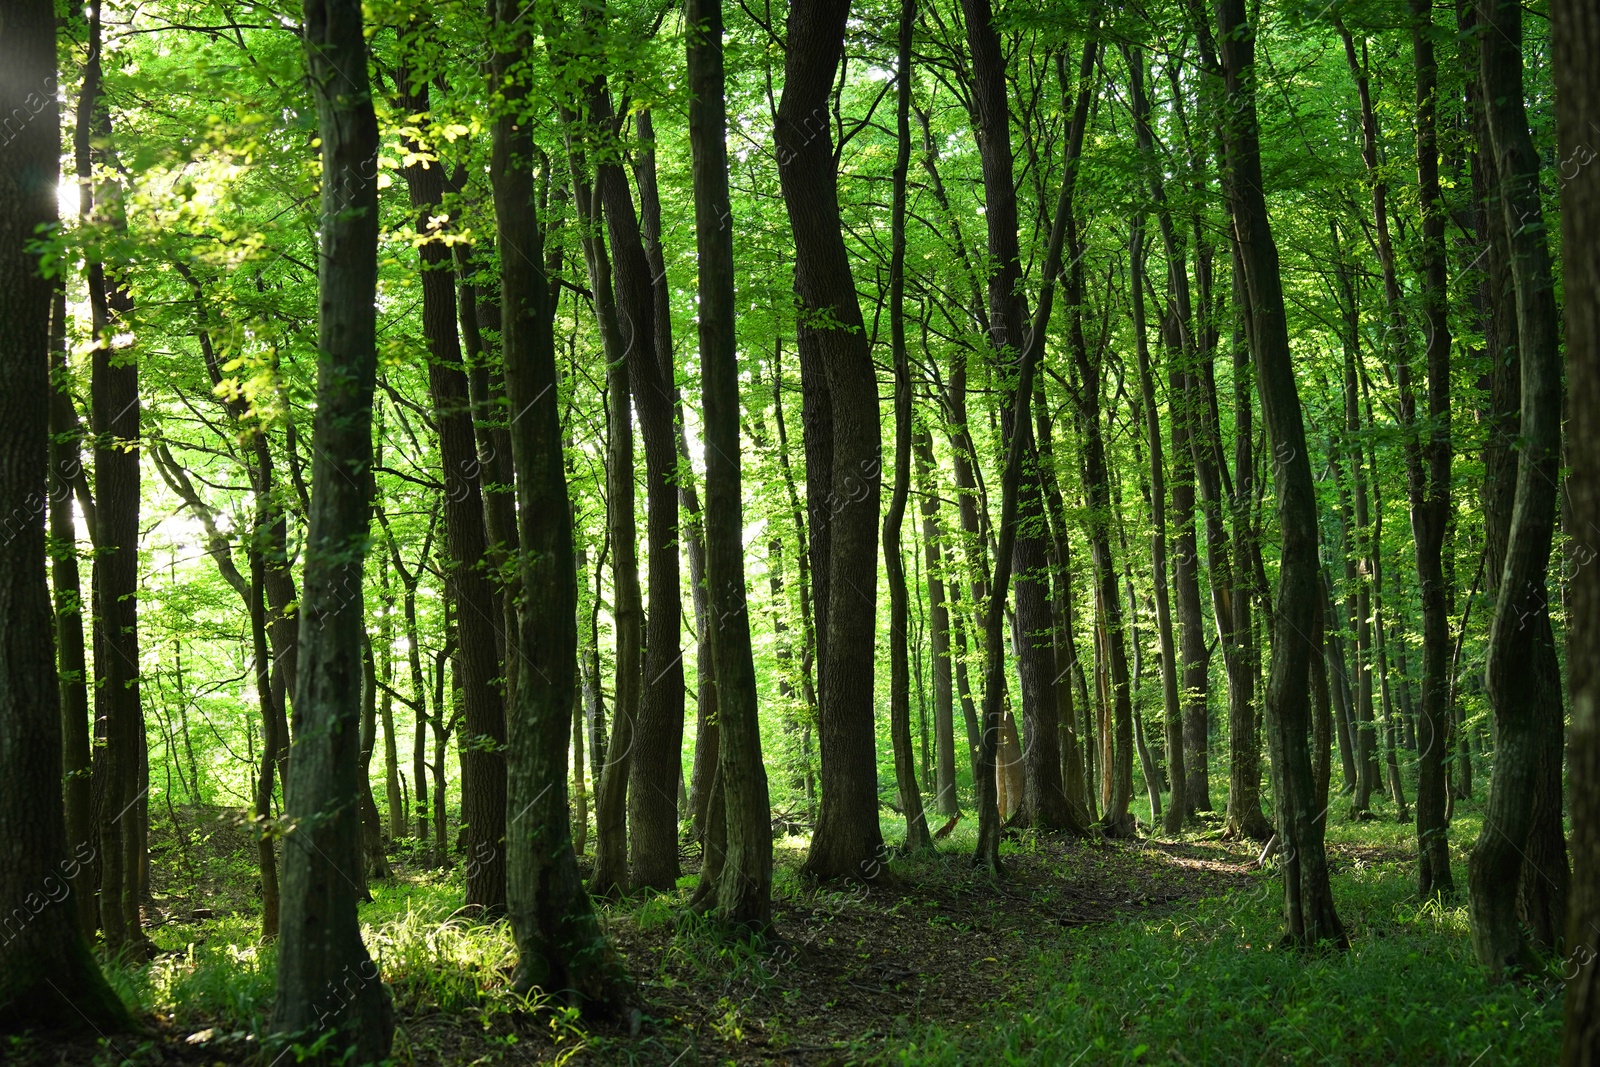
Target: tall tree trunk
[(987, 853), (944, 737), (744, 880), (1522, 675), (1308, 900), (559, 944), (655, 765), (1575, 37), (478, 614), (114, 420), (843, 447), (1172, 716), (66, 473), (48, 978), (320, 947), (610, 876), (266, 838), (1043, 801), (917, 837)]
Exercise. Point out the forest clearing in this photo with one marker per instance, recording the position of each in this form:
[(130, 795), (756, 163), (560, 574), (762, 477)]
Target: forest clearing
[(663, 532)]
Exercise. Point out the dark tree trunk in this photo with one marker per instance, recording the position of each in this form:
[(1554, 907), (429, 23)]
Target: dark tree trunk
[(1522, 675), (48, 978), (66, 473), (1308, 901), (266, 838), (1575, 37), (610, 876), (944, 737), (377, 863), (655, 764), (320, 949), (842, 447), (114, 420), (744, 880), (1178, 803), (917, 837), (478, 614), (1043, 802), (559, 945)]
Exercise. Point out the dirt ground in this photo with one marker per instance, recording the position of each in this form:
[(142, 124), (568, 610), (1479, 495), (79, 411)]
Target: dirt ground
[(854, 966)]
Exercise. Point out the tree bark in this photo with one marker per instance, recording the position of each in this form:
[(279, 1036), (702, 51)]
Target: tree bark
[(1575, 40), (917, 837), (48, 978), (1308, 900), (1522, 676), (478, 614), (744, 881), (326, 979), (559, 945), (843, 447), (944, 737)]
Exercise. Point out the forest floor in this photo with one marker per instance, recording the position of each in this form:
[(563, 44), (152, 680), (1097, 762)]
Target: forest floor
[(1085, 952)]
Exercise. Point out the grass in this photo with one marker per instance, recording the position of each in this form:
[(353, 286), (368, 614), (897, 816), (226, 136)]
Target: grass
[(1210, 985), (1199, 984)]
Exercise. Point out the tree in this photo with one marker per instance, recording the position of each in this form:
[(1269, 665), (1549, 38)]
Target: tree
[(559, 946), (1575, 37), (1521, 675), (47, 976), (842, 446), (1308, 900), (744, 881), (327, 983)]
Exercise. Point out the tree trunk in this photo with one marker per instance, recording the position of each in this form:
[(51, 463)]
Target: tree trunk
[(48, 978), (1522, 676), (478, 613), (842, 447), (917, 837), (66, 472), (744, 880), (1178, 804), (559, 945), (944, 737), (1308, 901), (320, 948), (1575, 37), (114, 420), (610, 876)]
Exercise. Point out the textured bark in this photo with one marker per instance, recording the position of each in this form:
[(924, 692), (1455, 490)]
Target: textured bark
[(917, 837), (655, 764), (114, 420), (1308, 900), (1172, 715), (1575, 38), (478, 614), (610, 876), (326, 980), (266, 838), (1043, 801), (1522, 816), (843, 447), (987, 853), (560, 949), (48, 979), (744, 881), (66, 472), (944, 738)]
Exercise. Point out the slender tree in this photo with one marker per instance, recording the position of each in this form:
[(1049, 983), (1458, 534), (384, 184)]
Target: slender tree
[(1575, 38), (47, 976), (1308, 900), (326, 979), (560, 949), (744, 886)]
